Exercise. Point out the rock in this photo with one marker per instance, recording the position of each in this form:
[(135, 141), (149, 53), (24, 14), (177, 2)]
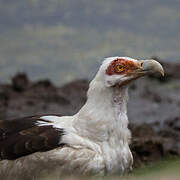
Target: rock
[(175, 123), (147, 145), (20, 82)]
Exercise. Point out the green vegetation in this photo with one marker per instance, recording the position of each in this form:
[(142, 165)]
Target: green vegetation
[(166, 169)]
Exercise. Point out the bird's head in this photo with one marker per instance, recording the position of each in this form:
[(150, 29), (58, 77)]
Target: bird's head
[(119, 71)]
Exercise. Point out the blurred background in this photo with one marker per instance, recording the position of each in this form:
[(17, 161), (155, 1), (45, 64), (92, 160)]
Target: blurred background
[(63, 40), (64, 43)]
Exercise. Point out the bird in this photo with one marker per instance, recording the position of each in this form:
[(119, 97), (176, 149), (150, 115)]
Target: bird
[(94, 141)]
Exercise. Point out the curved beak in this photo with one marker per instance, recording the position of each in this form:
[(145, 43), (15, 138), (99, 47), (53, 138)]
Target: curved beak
[(151, 66)]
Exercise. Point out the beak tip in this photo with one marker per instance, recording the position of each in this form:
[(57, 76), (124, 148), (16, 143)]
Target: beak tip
[(162, 73)]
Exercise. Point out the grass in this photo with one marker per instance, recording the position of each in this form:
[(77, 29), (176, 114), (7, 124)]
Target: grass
[(165, 169)]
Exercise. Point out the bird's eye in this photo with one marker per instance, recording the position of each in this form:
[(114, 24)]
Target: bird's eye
[(119, 68)]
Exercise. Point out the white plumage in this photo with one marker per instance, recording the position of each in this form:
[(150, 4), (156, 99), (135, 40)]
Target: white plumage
[(96, 138)]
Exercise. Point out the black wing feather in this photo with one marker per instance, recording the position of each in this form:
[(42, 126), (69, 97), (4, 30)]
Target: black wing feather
[(21, 137)]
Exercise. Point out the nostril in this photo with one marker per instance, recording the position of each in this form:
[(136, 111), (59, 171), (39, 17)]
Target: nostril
[(141, 64)]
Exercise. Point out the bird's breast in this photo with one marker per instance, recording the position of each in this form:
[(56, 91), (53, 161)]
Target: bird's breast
[(118, 157)]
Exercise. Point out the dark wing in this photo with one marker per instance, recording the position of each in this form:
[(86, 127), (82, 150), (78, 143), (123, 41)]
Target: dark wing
[(21, 137)]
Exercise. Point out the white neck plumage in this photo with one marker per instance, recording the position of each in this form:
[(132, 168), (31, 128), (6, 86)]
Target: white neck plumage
[(104, 116), (103, 120)]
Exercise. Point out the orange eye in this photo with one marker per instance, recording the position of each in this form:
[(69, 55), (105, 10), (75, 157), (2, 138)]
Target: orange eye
[(119, 68)]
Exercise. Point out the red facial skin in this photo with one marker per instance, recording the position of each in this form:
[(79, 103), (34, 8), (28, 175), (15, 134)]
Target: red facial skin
[(128, 65)]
